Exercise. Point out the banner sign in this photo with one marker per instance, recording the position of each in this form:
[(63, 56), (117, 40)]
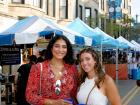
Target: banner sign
[(115, 11), (9, 55)]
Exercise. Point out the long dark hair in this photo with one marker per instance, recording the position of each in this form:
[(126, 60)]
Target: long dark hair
[(69, 59), (98, 67)]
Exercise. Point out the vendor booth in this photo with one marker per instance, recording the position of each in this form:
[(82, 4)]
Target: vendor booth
[(101, 41), (110, 69)]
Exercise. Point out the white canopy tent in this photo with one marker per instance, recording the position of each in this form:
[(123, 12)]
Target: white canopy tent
[(135, 43), (69, 32), (30, 29), (132, 46)]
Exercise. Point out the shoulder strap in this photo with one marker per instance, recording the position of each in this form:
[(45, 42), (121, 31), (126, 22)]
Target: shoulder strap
[(40, 78), (89, 93)]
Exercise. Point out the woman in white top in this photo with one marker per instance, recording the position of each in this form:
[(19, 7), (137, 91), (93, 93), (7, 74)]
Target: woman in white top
[(96, 87)]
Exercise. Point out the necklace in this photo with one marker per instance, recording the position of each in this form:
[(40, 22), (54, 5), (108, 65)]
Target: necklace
[(57, 75), (58, 87), (57, 70)]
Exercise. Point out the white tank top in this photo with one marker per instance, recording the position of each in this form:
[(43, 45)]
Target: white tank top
[(96, 96)]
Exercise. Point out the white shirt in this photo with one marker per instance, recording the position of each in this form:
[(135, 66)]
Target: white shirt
[(96, 97)]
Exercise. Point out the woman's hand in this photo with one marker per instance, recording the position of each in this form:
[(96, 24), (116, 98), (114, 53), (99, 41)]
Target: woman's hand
[(57, 102)]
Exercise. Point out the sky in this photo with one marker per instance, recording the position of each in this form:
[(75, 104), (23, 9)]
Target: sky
[(136, 9)]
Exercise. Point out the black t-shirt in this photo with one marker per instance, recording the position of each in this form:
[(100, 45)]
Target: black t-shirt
[(23, 71)]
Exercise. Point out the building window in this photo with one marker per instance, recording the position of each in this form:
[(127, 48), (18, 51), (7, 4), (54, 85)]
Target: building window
[(102, 23), (125, 4), (96, 17), (102, 4), (41, 4), (51, 8), (47, 7), (36, 3), (18, 1), (129, 8), (80, 12), (88, 15), (76, 13), (63, 9)]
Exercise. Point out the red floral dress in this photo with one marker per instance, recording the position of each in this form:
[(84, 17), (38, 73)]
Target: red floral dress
[(69, 81)]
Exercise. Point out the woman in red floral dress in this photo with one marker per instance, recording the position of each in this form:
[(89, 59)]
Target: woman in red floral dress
[(59, 77)]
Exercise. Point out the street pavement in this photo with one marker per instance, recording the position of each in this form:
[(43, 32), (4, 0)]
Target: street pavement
[(124, 86), (135, 100), (129, 92)]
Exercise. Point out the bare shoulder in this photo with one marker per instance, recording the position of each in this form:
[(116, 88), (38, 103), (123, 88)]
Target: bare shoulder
[(109, 82), (111, 87)]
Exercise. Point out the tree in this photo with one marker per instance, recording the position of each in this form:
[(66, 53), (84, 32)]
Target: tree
[(91, 22), (135, 32)]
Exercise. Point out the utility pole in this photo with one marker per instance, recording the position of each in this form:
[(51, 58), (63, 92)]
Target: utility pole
[(136, 18)]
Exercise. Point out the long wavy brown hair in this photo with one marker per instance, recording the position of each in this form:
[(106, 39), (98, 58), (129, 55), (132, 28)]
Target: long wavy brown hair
[(98, 67)]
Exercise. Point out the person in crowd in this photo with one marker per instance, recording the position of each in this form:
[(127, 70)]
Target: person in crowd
[(54, 81), (113, 59), (36, 51), (134, 62), (96, 87), (41, 58), (23, 73)]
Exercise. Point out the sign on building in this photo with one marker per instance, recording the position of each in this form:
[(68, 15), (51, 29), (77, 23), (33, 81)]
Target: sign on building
[(9, 55)]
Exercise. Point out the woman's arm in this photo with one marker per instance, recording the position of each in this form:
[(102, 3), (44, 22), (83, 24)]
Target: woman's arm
[(32, 89), (76, 83), (112, 91)]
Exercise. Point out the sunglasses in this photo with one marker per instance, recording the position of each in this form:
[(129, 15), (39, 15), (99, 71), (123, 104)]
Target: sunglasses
[(57, 87)]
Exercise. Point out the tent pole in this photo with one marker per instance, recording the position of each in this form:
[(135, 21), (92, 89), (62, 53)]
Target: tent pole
[(117, 65), (128, 64)]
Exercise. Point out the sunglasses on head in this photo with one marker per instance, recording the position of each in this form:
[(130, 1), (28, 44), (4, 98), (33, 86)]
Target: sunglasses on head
[(57, 87)]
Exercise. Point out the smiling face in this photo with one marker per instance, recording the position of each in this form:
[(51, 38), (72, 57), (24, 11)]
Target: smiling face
[(90, 65), (87, 62), (59, 49)]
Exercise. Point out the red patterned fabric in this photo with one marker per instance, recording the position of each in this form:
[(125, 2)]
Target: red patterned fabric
[(68, 84)]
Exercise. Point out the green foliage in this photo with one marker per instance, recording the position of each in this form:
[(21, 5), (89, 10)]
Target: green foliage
[(135, 33), (115, 30), (91, 22), (111, 26)]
